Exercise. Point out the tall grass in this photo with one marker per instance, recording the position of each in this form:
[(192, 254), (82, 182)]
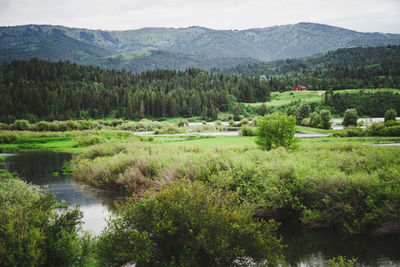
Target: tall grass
[(355, 188)]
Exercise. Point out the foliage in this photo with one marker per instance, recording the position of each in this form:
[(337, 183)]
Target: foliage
[(390, 115), (345, 68), (38, 89), (276, 130), (32, 233), (302, 112), (7, 137), (170, 129), (342, 261), (156, 48), (350, 117), (189, 225), (325, 119), (353, 188), (372, 103), (88, 140), (247, 131)]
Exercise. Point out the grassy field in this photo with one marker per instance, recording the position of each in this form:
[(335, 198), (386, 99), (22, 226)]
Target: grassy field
[(79, 142), (367, 90), (280, 99), (71, 141)]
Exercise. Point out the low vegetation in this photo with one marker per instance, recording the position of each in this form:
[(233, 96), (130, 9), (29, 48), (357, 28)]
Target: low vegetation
[(36, 230), (276, 130), (342, 186), (189, 224)]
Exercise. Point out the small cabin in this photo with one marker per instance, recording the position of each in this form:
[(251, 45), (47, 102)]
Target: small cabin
[(299, 88)]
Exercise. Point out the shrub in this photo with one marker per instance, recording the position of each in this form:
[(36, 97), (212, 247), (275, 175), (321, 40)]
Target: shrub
[(88, 140), (7, 137), (315, 119), (170, 129), (276, 130), (3, 126), (351, 131), (183, 123), (21, 125), (303, 111), (325, 119), (32, 233), (306, 122), (391, 131), (350, 117), (42, 126), (188, 225), (247, 131), (342, 261), (390, 115)]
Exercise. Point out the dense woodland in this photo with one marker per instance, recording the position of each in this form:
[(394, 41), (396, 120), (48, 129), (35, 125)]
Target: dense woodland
[(38, 89), (347, 68)]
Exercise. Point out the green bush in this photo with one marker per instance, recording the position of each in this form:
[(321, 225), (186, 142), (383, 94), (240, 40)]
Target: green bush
[(7, 137), (342, 261), (183, 123), (188, 225), (302, 112), (88, 140), (276, 130), (390, 115), (315, 119), (351, 131), (32, 233), (325, 119), (170, 129), (350, 117), (247, 131), (3, 126), (306, 122), (391, 131), (42, 126), (21, 125)]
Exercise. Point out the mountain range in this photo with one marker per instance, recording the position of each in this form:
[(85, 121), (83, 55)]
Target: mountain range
[(179, 48)]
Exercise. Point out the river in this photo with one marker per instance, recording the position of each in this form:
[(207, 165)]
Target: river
[(39, 167), (304, 248)]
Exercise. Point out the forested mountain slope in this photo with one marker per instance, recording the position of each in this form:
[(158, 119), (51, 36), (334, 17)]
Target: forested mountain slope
[(185, 45), (346, 68)]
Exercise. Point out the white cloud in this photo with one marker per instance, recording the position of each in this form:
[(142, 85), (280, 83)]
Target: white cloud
[(360, 15)]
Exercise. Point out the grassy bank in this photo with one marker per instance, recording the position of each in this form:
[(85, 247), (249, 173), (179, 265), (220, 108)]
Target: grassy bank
[(351, 187), (68, 141)]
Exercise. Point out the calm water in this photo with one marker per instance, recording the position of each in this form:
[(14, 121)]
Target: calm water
[(305, 248), (38, 167)]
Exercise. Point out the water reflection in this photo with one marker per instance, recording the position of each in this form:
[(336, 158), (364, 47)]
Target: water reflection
[(304, 248), (315, 248), (40, 168)]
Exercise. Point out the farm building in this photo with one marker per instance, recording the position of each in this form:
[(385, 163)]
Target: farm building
[(299, 88)]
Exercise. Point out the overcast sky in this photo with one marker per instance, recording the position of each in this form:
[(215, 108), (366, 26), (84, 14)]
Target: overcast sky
[(359, 15)]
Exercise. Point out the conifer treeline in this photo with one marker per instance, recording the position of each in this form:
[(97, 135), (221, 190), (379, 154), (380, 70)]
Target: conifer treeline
[(347, 68), (38, 89)]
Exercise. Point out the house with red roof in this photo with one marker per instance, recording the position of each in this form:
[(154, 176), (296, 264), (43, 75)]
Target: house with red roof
[(299, 88)]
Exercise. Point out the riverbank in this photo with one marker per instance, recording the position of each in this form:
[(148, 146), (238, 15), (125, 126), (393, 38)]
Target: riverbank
[(334, 183), (345, 186)]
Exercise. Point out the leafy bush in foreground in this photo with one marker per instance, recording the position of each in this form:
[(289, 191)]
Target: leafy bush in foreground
[(189, 225), (32, 233)]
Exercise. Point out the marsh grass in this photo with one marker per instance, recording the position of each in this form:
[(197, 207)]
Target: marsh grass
[(351, 187)]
